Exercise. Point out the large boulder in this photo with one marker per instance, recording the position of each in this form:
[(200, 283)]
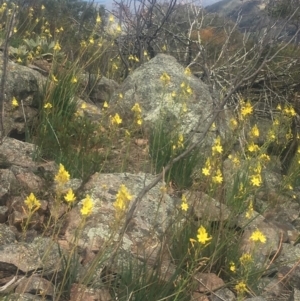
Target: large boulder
[(25, 85), (184, 101)]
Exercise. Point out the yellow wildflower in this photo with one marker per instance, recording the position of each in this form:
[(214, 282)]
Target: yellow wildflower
[(19, 60), (164, 48), (217, 147), (56, 47), (31, 202), (184, 204), (245, 258), (165, 78), (105, 105), (136, 108), (241, 288), (74, 80), (42, 7), (252, 147), (203, 235), (256, 180), (98, 19), (246, 109), (14, 103), (116, 119), (187, 71), (122, 200), (232, 267), (70, 197), (218, 178), (111, 18), (54, 78), (83, 44), (254, 131), (62, 176), (87, 206), (48, 105), (258, 236), (189, 90), (206, 169), (233, 123)]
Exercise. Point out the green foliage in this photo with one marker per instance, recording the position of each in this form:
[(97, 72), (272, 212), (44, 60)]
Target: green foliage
[(140, 282), (62, 134), (165, 145)]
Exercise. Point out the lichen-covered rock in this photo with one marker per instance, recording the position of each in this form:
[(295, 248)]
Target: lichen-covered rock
[(25, 85), (183, 101)]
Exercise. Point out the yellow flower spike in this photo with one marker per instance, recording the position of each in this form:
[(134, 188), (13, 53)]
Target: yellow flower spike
[(217, 147), (206, 169), (74, 80), (165, 78), (105, 105), (189, 90), (98, 19), (218, 178), (56, 47), (136, 108), (48, 105), (122, 199), (53, 78), (254, 131), (241, 288), (15, 30), (256, 180), (87, 206), (246, 109), (91, 41), (245, 258), (19, 60), (62, 176), (83, 106), (116, 119), (14, 103), (32, 202), (139, 121), (233, 123), (111, 18), (184, 204), (70, 197), (203, 235), (187, 71), (83, 44), (164, 48), (258, 236), (232, 267), (252, 147)]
